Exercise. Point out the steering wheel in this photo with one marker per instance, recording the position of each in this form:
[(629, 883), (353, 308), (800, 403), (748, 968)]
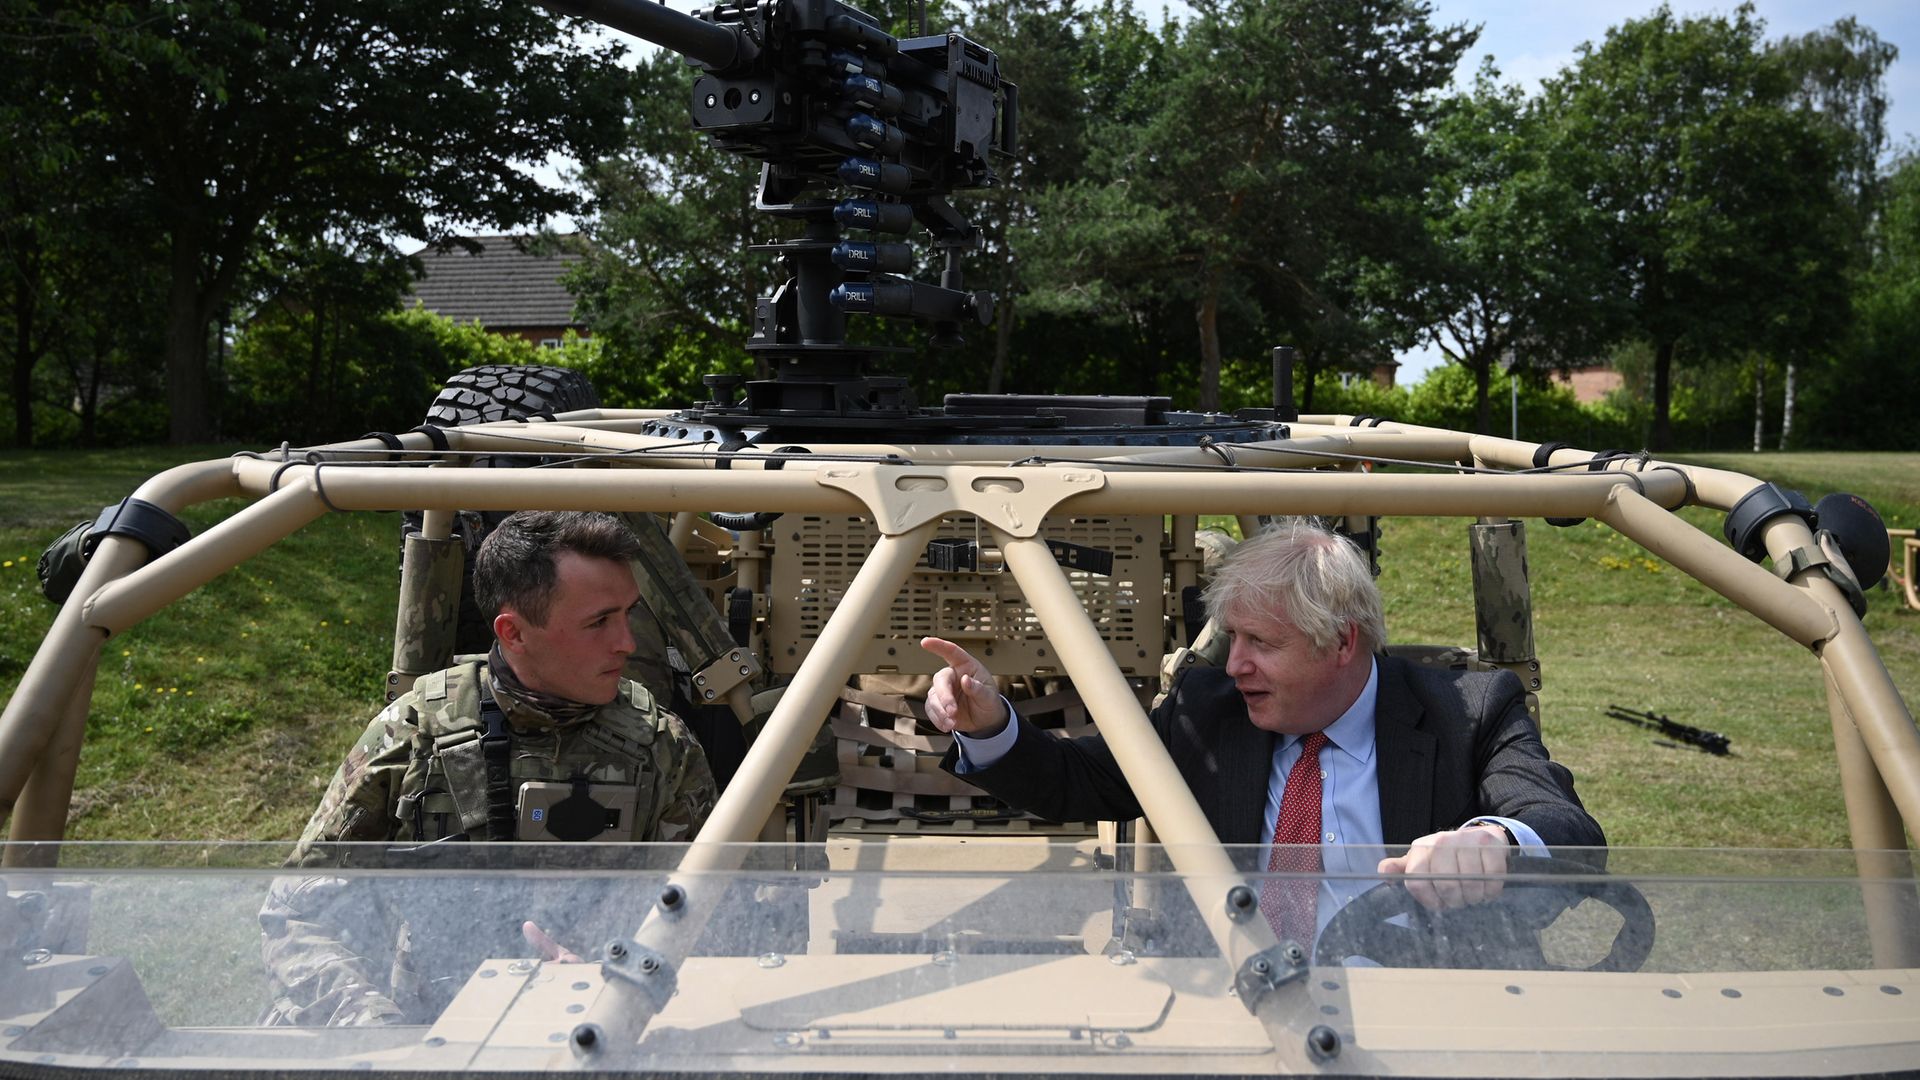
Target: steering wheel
[(1502, 933)]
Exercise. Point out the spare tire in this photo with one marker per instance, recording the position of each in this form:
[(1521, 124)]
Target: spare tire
[(487, 394), (493, 392)]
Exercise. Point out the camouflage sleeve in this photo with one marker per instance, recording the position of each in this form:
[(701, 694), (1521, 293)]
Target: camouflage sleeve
[(318, 933), (687, 788)]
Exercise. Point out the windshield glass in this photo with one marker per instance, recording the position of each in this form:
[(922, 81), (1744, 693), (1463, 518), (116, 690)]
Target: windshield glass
[(910, 955)]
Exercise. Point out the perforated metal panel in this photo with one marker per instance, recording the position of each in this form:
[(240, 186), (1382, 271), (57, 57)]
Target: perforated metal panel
[(815, 558)]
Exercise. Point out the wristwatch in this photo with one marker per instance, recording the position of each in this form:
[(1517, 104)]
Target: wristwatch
[(1512, 840)]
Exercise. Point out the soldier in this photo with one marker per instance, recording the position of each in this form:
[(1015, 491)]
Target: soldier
[(545, 740)]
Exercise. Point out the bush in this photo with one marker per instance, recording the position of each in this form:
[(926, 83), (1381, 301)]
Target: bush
[(376, 373), (1360, 397)]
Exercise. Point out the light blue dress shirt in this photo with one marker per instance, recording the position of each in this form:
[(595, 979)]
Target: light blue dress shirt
[(1349, 795)]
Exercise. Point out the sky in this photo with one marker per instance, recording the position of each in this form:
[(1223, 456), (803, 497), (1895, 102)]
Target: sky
[(1532, 40)]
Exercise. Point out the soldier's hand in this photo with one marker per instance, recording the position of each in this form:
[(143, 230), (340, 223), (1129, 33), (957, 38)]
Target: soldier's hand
[(1475, 850), (550, 950), (964, 697)]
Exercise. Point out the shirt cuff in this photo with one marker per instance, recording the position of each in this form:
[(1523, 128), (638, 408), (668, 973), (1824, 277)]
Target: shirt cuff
[(1523, 834), (977, 754)]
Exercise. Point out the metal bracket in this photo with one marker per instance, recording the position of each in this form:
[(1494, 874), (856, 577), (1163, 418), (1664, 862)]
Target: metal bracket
[(1798, 561), (1014, 500), (1265, 972), (643, 969), (1801, 560), (713, 682)]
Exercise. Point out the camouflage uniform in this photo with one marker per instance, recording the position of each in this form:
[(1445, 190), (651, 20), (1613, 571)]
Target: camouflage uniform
[(417, 775)]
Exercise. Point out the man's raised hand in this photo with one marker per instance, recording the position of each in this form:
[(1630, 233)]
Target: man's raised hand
[(964, 697)]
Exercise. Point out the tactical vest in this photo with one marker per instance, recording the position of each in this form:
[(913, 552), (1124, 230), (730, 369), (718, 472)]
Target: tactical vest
[(445, 791)]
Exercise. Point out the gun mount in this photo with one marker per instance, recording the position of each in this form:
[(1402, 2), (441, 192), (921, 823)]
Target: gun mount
[(855, 130)]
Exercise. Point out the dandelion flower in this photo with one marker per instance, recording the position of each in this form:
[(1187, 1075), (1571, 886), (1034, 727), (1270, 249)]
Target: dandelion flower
[(323, 622), (149, 729), (8, 563), (199, 659), (173, 689), (137, 686), (126, 652), (189, 693)]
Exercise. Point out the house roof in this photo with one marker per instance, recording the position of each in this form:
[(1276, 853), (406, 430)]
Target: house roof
[(502, 286)]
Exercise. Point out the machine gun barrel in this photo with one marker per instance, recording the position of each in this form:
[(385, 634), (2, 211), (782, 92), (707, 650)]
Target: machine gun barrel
[(718, 47), (1712, 742)]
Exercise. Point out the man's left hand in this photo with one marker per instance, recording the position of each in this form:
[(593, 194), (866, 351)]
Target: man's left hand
[(550, 950), (1474, 850)]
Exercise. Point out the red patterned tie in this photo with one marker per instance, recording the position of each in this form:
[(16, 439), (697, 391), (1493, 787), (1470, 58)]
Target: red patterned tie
[(1291, 904)]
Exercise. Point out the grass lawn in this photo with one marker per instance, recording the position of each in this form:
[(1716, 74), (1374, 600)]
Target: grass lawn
[(224, 716)]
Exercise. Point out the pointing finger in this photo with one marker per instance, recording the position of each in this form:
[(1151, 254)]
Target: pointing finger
[(959, 659)]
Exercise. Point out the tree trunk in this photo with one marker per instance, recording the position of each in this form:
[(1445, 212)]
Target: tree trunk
[(1786, 404), (1662, 396), (1482, 396), (1759, 405), (334, 364), (1309, 364), (316, 356), (1002, 340), (23, 361), (90, 398), (187, 420), (1208, 316)]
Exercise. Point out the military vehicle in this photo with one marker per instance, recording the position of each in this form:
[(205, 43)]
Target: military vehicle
[(854, 911)]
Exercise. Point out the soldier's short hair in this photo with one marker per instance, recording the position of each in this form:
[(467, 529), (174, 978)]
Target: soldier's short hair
[(1318, 577), (515, 567)]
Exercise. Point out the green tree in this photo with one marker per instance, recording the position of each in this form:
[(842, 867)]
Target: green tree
[(1840, 74), (1094, 312), (1277, 157), (320, 305), (1506, 278), (1866, 398), (666, 267), (395, 116), (1048, 48), (1718, 210)]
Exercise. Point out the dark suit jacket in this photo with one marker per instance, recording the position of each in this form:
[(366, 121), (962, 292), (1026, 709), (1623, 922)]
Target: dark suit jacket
[(1449, 746)]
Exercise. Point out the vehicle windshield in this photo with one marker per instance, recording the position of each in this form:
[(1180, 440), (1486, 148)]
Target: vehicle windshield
[(862, 956)]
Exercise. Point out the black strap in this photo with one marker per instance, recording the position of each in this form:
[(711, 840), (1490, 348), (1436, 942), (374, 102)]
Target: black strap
[(496, 748), (152, 525), (434, 435)]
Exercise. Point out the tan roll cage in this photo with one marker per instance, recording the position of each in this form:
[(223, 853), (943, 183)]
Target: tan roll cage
[(905, 491)]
